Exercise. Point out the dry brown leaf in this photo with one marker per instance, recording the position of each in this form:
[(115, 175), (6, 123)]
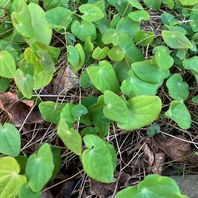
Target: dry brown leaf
[(175, 148), (158, 164), (18, 110), (65, 81), (149, 154)]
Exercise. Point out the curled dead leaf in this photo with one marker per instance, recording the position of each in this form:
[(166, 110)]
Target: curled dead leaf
[(19, 111), (65, 81), (176, 148)]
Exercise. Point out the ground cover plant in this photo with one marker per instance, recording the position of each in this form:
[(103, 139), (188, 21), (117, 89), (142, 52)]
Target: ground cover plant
[(95, 95)]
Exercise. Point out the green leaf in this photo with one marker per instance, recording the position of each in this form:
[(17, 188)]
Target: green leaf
[(163, 58), (115, 54), (10, 180), (180, 114), (82, 57), (135, 4), (83, 30), (153, 4), (4, 84), (149, 72), (10, 143), (191, 64), (110, 36), (70, 137), (134, 86), (49, 4), (143, 38), (91, 12), (132, 53), (188, 2), (176, 40), (116, 108), (153, 130), (193, 18), (126, 25), (39, 168), (97, 116), (170, 3), (7, 64), (100, 53), (143, 110), (26, 191), (98, 166), (103, 77), (59, 17), (139, 15), (153, 186), (195, 99), (73, 57), (177, 88), (24, 83), (78, 110), (50, 111)]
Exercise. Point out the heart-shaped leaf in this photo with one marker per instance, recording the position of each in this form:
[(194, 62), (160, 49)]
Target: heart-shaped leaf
[(135, 4), (115, 54), (188, 2), (134, 86), (116, 108), (70, 137), (7, 64), (83, 30), (97, 165), (153, 186), (100, 53), (10, 143), (103, 77), (139, 15), (50, 111), (24, 83), (162, 57), (59, 17), (180, 114), (153, 4), (176, 40), (177, 88), (10, 180), (110, 36), (91, 12), (39, 168), (149, 72), (143, 110)]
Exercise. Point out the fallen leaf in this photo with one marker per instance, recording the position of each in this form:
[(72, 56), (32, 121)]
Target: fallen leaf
[(149, 154), (103, 190), (158, 164), (65, 81), (18, 110), (176, 148)]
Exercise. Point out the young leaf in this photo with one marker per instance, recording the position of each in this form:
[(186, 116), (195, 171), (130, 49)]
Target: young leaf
[(50, 111), (100, 53), (103, 77), (176, 40), (110, 36), (10, 180), (116, 108), (70, 137), (153, 186), (7, 64), (188, 2), (10, 143), (98, 166), (195, 99), (163, 58), (180, 114), (39, 168), (91, 12), (24, 83), (177, 88), (149, 72), (135, 4), (143, 110), (59, 17), (115, 54)]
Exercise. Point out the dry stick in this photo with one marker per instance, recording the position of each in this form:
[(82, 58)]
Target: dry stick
[(62, 181)]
